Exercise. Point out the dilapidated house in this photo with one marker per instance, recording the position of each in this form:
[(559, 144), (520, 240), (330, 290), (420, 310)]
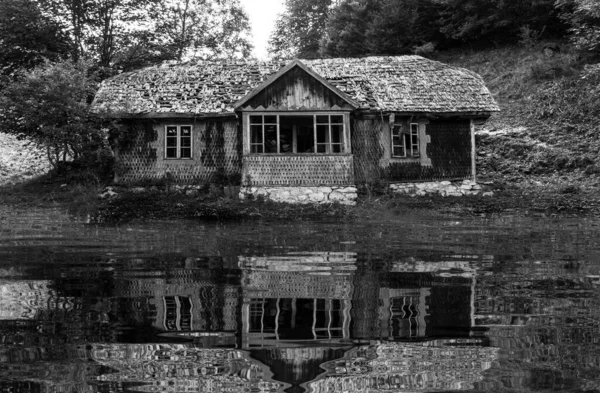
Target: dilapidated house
[(310, 123)]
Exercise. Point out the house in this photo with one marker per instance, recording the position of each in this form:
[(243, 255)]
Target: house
[(307, 130)]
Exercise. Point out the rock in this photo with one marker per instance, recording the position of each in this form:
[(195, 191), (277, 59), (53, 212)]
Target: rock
[(421, 193), (488, 194), (445, 183), (325, 190), (317, 196), (336, 196)]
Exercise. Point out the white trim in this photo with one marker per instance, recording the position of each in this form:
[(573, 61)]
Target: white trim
[(178, 142)]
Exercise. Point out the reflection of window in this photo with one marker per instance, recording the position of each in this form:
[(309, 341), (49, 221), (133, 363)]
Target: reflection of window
[(405, 143), (178, 313), (296, 134), (405, 316), (297, 319), (178, 142)]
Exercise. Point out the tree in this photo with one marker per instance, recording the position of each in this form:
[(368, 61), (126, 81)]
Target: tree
[(28, 38), (202, 28), (583, 17), (49, 105), (499, 22), (399, 26), (299, 29), (345, 33)]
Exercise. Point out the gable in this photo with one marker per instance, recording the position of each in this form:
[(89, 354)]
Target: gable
[(295, 88)]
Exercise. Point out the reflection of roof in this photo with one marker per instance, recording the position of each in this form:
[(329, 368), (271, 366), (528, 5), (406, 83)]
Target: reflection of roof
[(402, 83), (173, 367), (441, 364)]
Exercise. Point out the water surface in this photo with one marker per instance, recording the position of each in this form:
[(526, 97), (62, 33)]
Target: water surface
[(394, 304)]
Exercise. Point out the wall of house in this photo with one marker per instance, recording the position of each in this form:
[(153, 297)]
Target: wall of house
[(445, 150), (216, 152)]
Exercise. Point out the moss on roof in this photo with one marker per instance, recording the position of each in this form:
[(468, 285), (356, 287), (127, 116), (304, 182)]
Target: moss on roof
[(401, 84)]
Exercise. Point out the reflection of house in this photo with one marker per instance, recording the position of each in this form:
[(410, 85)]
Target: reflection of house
[(296, 311)]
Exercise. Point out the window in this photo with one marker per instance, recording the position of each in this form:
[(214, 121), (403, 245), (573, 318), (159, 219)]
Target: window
[(405, 143), (297, 134), (178, 142)]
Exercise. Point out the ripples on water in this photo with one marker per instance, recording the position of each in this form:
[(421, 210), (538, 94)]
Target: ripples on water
[(404, 304)]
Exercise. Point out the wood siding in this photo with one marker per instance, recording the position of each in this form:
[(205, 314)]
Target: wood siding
[(216, 154), (446, 154), (296, 90), (298, 170)]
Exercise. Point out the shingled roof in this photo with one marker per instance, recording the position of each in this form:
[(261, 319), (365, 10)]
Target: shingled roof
[(399, 84)]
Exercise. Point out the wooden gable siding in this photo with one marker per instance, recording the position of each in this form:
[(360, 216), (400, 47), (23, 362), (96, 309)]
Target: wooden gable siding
[(296, 90)]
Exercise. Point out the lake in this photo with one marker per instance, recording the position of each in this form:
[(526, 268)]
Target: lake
[(399, 303)]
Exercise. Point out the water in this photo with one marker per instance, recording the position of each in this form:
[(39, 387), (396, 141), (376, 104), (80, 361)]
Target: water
[(394, 304)]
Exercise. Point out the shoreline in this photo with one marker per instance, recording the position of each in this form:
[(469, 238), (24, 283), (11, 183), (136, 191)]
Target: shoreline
[(211, 204)]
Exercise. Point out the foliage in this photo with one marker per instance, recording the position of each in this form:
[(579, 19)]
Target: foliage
[(499, 22), (346, 29), (299, 29), (28, 38), (50, 106), (583, 17), (201, 28), (119, 35)]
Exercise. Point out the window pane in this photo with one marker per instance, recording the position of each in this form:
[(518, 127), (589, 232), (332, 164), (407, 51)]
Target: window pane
[(337, 119), (256, 134), (415, 139), (337, 133), (255, 119), (322, 133), (305, 141), (323, 119), (186, 152), (396, 130), (171, 142), (336, 148), (171, 152), (286, 139), (414, 127), (322, 148), (256, 149), (186, 142), (271, 119), (270, 139), (398, 151), (171, 131), (186, 130)]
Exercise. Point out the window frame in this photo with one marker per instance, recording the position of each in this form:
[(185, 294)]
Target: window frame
[(343, 144), (414, 146), (178, 145)]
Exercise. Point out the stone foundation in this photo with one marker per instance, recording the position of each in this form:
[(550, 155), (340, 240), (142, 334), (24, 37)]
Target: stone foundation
[(444, 188), (344, 195)]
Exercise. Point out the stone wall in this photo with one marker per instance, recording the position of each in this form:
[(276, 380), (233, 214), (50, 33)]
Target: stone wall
[(345, 195), (444, 188)]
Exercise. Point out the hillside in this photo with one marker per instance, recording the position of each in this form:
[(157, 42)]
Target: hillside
[(547, 133)]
